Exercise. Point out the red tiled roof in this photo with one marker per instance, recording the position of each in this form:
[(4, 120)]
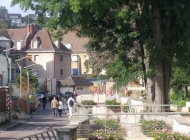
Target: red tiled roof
[(17, 34), (77, 42)]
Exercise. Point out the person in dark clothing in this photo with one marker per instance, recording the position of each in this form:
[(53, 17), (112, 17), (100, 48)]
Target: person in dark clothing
[(44, 101)]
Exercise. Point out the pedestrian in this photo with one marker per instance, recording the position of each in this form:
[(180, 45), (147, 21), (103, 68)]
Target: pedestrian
[(54, 104), (44, 101), (70, 103), (60, 107)]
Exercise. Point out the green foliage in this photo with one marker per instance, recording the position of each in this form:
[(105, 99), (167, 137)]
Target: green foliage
[(109, 123), (33, 81), (101, 134), (167, 135), (109, 104), (3, 10), (148, 127), (43, 89), (4, 24), (125, 107), (182, 103), (86, 66), (88, 102)]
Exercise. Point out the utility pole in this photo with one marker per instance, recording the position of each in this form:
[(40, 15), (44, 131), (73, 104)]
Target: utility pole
[(10, 89), (28, 101), (21, 105)]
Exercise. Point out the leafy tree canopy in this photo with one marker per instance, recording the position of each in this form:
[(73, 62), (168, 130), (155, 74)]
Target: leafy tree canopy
[(33, 81), (3, 10)]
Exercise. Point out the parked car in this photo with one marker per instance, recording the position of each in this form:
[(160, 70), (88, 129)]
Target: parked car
[(40, 96), (33, 107)]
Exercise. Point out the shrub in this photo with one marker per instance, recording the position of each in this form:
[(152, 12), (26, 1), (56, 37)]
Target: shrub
[(148, 127), (88, 102), (112, 102), (111, 123), (181, 103), (167, 135), (109, 134), (125, 107)]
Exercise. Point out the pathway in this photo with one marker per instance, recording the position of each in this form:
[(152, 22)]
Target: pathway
[(42, 120)]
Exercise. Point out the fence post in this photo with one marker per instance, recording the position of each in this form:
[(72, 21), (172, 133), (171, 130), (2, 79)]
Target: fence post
[(69, 132)]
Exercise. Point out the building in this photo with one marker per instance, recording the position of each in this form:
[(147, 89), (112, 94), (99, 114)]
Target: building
[(16, 19), (75, 83), (79, 54), (51, 59)]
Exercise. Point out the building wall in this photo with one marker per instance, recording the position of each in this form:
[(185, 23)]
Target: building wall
[(65, 65), (6, 44), (82, 57), (3, 70), (44, 64), (80, 91)]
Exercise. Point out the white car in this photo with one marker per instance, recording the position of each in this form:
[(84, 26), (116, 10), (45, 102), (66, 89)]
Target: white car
[(40, 96)]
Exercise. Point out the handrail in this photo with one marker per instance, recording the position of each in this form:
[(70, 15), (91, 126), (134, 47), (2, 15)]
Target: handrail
[(41, 134)]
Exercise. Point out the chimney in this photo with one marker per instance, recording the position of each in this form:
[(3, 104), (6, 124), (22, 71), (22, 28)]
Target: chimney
[(28, 28), (57, 43), (33, 29)]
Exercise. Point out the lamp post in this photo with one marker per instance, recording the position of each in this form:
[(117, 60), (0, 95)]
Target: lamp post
[(28, 90), (9, 60), (20, 68)]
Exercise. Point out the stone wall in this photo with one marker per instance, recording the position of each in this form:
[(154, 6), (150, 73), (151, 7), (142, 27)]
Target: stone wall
[(180, 124)]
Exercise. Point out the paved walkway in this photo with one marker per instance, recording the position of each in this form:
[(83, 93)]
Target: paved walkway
[(42, 120)]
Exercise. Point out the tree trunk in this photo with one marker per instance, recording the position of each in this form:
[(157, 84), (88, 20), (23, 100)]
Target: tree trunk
[(159, 86), (150, 92)]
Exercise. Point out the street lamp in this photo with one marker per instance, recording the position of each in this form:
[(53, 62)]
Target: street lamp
[(27, 73), (20, 68), (9, 60)]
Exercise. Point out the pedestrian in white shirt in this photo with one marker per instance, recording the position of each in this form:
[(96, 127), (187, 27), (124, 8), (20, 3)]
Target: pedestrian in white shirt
[(60, 107), (70, 103)]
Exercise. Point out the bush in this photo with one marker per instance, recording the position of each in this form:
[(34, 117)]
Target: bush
[(167, 135), (113, 102), (101, 134), (182, 103), (111, 123), (125, 107), (148, 127), (88, 102)]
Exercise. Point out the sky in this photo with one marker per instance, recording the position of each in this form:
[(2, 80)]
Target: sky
[(15, 9)]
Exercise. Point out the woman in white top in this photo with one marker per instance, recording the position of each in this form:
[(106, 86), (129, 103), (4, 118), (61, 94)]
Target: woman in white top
[(60, 107)]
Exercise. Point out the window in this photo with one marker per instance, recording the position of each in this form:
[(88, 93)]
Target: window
[(29, 57), (18, 45), (61, 57), (61, 71), (79, 88), (36, 58), (17, 57), (17, 71), (75, 71), (33, 44), (74, 58)]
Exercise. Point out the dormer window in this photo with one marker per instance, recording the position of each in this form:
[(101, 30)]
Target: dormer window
[(18, 45), (34, 44)]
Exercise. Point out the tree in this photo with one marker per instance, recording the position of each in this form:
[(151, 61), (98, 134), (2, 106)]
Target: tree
[(3, 10), (149, 32), (4, 24), (43, 89), (33, 82)]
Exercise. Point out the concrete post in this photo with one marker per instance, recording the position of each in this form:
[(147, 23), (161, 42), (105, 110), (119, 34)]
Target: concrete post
[(69, 132)]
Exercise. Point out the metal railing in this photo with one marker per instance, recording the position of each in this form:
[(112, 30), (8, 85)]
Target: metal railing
[(130, 120), (47, 135)]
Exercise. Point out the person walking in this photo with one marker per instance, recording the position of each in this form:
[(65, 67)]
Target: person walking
[(70, 103), (54, 104), (44, 101), (60, 107)]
